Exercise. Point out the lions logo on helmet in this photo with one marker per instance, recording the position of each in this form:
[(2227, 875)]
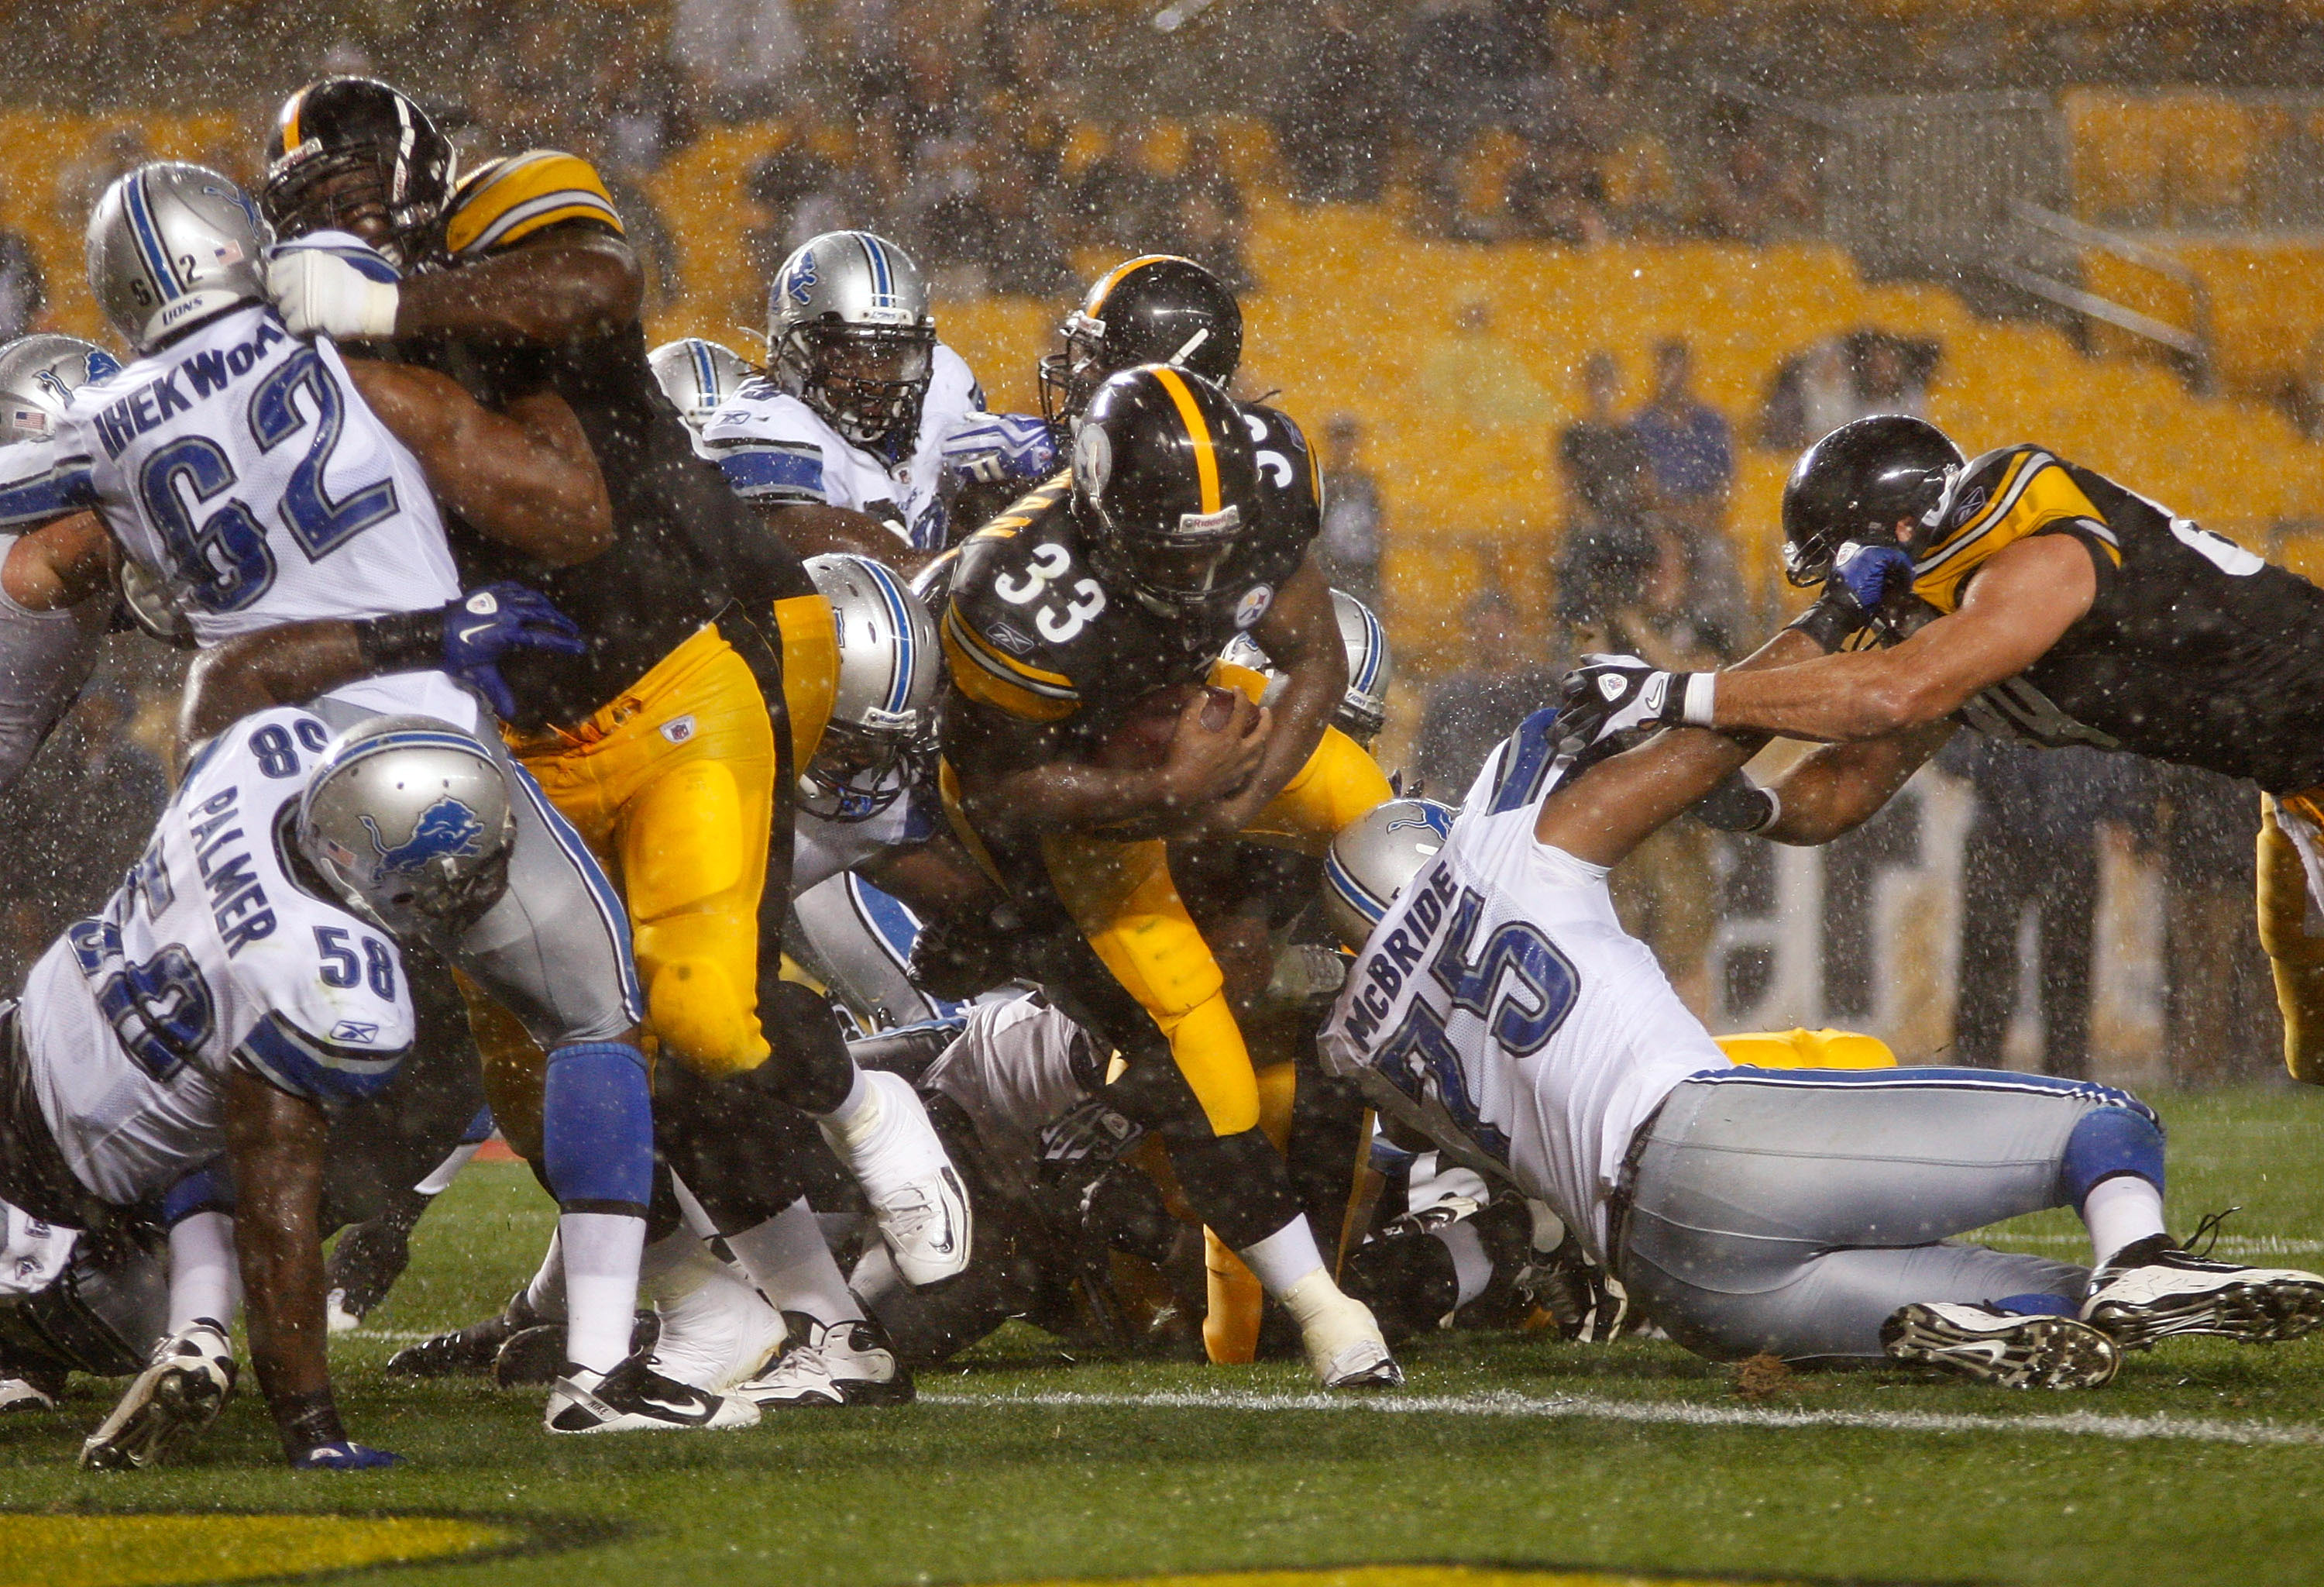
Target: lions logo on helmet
[(446, 829), (1375, 857), (800, 280)]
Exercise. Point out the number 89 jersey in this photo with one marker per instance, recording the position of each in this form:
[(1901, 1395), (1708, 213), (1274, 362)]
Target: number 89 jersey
[(1499, 1005), (209, 956), (240, 462)]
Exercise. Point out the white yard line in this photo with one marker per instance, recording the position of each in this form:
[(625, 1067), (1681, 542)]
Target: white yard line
[(2229, 1245), (1680, 1413), (393, 1336)]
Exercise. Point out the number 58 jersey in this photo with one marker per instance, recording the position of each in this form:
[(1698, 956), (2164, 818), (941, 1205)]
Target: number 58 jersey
[(241, 464), (1500, 1006), (208, 956)]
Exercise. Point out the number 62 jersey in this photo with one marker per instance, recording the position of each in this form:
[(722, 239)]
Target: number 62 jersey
[(208, 956), (1500, 1006)]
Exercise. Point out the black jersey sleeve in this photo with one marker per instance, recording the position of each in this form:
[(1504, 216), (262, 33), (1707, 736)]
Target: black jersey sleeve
[(1291, 508), (1008, 629)]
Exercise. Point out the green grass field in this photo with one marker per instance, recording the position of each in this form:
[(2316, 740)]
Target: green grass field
[(2202, 1463)]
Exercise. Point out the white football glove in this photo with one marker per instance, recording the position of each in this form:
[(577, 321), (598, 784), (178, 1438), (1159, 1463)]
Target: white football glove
[(319, 295)]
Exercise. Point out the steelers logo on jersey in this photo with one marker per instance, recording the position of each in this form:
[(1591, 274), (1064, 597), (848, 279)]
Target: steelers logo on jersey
[(1253, 606)]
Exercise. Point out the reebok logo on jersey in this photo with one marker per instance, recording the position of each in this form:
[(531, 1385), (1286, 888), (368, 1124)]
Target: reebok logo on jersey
[(354, 1033), (678, 729), (1010, 640)]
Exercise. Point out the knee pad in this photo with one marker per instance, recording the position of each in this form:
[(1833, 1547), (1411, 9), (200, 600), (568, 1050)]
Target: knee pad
[(597, 1128), (703, 1019), (684, 841), (2107, 1141), (1207, 1046)]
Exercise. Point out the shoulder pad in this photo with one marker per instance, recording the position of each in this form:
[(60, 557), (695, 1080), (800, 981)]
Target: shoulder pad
[(504, 201)]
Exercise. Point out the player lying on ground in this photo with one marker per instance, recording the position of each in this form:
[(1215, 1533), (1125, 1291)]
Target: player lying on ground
[(233, 987), (1500, 1007), (2024, 596)]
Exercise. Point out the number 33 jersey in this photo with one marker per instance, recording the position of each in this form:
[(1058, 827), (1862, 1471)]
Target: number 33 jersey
[(208, 956), (1500, 1006), (240, 462)]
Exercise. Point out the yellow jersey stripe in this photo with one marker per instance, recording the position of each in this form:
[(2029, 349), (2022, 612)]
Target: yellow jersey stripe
[(508, 201), (1190, 414), (973, 678), (1008, 666), (2035, 494), (2013, 479), (1096, 307)]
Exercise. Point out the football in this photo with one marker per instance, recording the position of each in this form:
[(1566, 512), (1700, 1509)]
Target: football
[(1142, 742)]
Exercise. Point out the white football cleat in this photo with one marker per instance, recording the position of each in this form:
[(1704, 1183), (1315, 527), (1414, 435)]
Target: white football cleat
[(717, 1333), (916, 1194), (178, 1395), (635, 1399), (2150, 1289), (335, 1315), (846, 1363), (1345, 1349), (2016, 1349), (22, 1394)]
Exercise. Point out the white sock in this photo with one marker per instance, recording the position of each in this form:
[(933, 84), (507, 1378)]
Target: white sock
[(1284, 1258), (440, 1180), (850, 1115), (546, 1294), (672, 1267), (601, 1251), (205, 1276), (788, 1258), (1471, 1266), (2119, 1210)]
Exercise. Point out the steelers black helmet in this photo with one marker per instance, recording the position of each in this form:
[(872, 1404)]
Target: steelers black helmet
[(1154, 309), (1857, 483), (1164, 481), (355, 154)]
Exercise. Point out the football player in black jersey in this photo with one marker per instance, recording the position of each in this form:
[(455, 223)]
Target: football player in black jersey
[(671, 744), (1129, 574), (2027, 597)]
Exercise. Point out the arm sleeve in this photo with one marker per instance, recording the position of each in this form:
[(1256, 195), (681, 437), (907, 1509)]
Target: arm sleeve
[(42, 480)]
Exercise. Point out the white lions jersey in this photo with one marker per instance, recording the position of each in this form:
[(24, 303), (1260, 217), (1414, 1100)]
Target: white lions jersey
[(775, 450), (208, 956), (1015, 1069), (44, 659), (241, 465), (1499, 1005), (821, 848)]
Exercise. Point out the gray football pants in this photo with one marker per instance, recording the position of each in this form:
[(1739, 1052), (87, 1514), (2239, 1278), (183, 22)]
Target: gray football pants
[(1792, 1210), (555, 951)]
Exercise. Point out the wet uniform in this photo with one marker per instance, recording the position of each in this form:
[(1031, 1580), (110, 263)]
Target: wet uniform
[(2195, 650), (670, 743)]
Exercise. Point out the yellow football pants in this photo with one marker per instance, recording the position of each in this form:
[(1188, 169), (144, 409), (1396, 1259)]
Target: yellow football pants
[(2294, 955)]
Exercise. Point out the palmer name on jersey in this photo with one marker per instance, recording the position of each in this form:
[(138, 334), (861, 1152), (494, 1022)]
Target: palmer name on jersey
[(210, 957), (2194, 648), (775, 450)]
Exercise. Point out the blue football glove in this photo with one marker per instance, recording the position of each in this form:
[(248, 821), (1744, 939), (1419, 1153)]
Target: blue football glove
[(1869, 573), (486, 625), (1002, 448), (346, 1455)]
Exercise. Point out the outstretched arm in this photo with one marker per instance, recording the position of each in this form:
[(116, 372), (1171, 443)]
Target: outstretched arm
[(817, 531), (561, 285), (2018, 606), (60, 564), (525, 475), (1839, 787)]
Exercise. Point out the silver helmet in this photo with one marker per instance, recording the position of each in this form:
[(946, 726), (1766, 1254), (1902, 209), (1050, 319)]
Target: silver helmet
[(883, 710), (850, 333), (171, 245), (1374, 857), (38, 376), (1363, 709), (696, 376), (411, 821)]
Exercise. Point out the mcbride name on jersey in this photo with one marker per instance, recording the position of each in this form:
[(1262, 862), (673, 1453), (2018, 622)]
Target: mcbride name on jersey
[(240, 463), (2195, 650), (775, 450), (1500, 1006), (208, 956), (1033, 635)]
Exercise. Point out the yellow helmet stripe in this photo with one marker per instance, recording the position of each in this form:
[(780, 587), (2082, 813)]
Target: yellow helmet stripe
[(290, 108), (1190, 413), (1096, 307)]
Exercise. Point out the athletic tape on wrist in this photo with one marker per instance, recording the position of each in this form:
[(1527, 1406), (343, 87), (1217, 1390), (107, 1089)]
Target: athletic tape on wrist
[(1694, 709)]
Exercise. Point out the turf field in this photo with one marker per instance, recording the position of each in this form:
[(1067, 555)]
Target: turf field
[(2201, 1463)]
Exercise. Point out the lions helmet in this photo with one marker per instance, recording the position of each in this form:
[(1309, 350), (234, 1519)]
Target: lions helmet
[(354, 154), (850, 333), (883, 709), (1375, 857), (696, 376), (1154, 309), (1363, 709), (410, 822), (1165, 480), (1857, 483), (171, 246), (38, 376)]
